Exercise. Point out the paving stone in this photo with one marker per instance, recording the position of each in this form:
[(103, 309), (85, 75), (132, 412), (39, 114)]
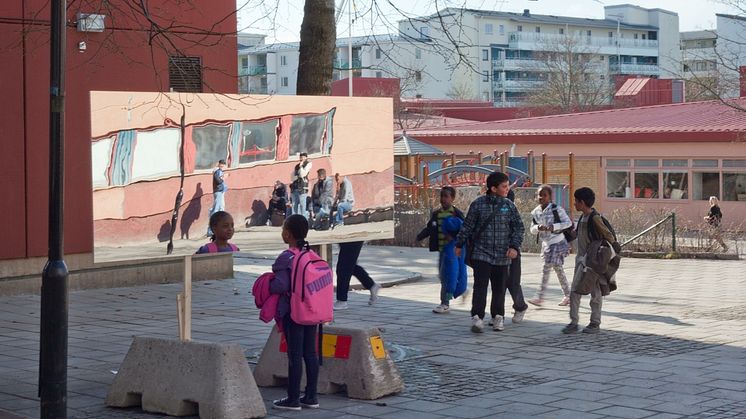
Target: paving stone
[(624, 412)]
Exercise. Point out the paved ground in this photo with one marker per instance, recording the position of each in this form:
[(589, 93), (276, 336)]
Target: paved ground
[(673, 345)]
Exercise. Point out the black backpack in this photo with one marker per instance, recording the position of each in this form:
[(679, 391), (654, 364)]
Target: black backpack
[(592, 233), (569, 232)]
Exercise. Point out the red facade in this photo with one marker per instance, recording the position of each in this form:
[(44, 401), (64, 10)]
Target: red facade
[(127, 56)]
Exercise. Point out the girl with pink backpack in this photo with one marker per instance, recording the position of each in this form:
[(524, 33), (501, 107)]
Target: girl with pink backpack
[(305, 284), (221, 225)]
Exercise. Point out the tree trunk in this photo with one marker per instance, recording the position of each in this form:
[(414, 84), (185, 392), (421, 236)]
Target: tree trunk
[(318, 37)]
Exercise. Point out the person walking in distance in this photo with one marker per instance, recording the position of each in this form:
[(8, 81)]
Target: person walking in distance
[(347, 267), (500, 236), (299, 185), (437, 240), (548, 221), (218, 191), (713, 218)]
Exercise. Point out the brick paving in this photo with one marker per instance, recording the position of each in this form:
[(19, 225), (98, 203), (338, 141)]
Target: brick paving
[(673, 344)]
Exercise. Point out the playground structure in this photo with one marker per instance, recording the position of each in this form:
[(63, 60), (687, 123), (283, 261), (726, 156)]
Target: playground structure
[(420, 177)]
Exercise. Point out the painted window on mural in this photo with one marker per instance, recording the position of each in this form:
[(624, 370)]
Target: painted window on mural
[(705, 185), (258, 141), (156, 154), (211, 142), (101, 153), (307, 133)]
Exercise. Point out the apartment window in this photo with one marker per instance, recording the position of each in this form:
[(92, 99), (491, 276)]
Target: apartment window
[(284, 82), (185, 74), (418, 54), (588, 33), (424, 32), (485, 55), (520, 28), (486, 76), (488, 28), (602, 58), (644, 36), (602, 77), (634, 36), (379, 74), (538, 29), (418, 76), (501, 29), (561, 31), (378, 53), (611, 34), (283, 60), (245, 62)]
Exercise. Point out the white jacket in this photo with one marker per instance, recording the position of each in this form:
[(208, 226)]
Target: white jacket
[(545, 217)]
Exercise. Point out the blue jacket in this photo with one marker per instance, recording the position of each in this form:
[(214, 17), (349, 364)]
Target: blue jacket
[(453, 268)]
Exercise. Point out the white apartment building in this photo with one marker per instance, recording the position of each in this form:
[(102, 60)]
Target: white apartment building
[(715, 55), (488, 55)]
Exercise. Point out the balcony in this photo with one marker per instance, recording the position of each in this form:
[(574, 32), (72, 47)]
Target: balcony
[(518, 64), (592, 44), (643, 69), (343, 64), (518, 85), (253, 70)]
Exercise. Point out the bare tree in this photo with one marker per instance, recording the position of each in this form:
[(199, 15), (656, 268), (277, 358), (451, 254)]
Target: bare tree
[(461, 89), (567, 76)]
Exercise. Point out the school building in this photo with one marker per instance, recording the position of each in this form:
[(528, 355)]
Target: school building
[(664, 157)]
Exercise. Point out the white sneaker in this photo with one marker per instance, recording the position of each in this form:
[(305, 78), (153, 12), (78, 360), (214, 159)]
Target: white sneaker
[(340, 305), (442, 309), (477, 325), (518, 316), (498, 323), (374, 294)]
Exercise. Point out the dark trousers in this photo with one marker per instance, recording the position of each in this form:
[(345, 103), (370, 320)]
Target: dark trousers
[(496, 276), (301, 341), (347, 267), (514, 285)]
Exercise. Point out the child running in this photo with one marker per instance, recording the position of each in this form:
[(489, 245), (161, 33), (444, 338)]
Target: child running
[(554, 246), (301, 340), (221, 226), (434, 230)]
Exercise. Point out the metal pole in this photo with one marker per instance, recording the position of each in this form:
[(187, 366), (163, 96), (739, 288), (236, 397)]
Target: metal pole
[(349, 47), (54, 298)]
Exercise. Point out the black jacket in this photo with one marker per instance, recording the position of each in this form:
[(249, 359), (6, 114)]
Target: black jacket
[(431, 229)]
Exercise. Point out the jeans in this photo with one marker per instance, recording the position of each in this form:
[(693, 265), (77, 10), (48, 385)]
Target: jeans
[(597, 299), (321, 212), (302, 343), (218, 204), (514, 285), (347, 267), (342, 208), (485, 273), (299, 203), (444, 300)]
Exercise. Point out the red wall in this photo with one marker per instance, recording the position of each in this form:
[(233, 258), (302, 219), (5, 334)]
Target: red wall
[(116, 59)]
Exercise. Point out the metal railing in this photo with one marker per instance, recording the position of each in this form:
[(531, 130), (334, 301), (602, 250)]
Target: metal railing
[(671, 217)]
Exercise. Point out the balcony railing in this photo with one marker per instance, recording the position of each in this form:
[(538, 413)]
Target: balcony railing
[(518, 64), (646, 69), (518, 84), (343, 64), (546, 40), (253, 70)]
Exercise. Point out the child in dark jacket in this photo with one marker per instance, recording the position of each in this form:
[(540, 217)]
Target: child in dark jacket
[(434, 230), (301, 340)]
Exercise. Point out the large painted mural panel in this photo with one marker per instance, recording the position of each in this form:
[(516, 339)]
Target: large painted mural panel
[(147, 147)]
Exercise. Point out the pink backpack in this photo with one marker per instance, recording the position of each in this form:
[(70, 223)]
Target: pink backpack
[(311, 289), (212, 247)]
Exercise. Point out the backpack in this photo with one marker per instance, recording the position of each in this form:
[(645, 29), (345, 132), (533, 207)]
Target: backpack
[(569, 232), (592, 233), (311, 288), (212, 247)]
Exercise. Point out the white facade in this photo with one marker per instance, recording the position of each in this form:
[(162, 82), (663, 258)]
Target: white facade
[(478, 54)]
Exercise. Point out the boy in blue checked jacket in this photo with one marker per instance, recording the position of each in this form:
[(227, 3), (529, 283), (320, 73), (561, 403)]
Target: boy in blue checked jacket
[(434, 230), (497, 222)]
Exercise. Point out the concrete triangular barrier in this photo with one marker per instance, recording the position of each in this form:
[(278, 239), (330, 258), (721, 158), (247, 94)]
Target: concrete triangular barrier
[(355, 360), (187, 378)]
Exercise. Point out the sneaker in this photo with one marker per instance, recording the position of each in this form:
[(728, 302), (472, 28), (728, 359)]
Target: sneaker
[(498, 323), (536, 301), (374, 294), (565, 302), (592, 328), (477, 325), (340, 305), (518, 315), (309, 403), (285, 404), (442, 309), (570, 328)]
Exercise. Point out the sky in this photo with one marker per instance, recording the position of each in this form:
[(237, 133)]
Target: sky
[(280, 20)]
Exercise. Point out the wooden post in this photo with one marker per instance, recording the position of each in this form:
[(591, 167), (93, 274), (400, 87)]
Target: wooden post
[(530, 165), (425, 175), (502, 162), (544, 176), (453, 159), (403, 166), (494, 156)]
